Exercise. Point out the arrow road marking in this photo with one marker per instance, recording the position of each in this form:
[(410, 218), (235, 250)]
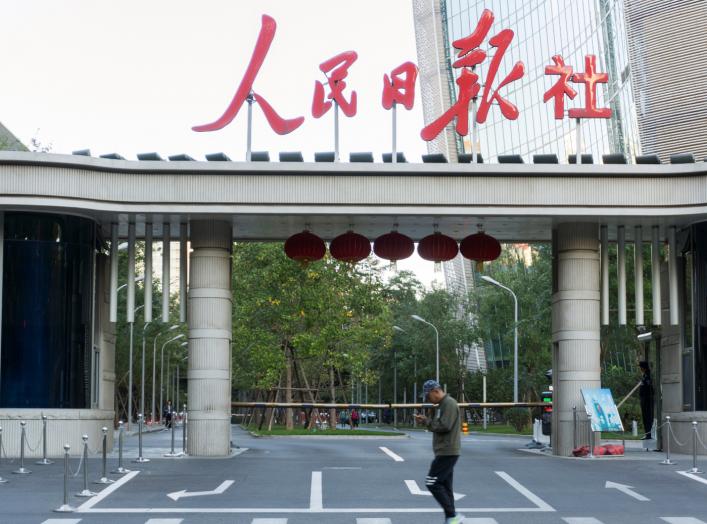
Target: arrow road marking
[(184, 493), (628, 490), (415, 490)]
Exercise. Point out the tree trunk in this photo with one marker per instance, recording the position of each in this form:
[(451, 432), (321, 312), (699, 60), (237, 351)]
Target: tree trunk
[(289, 422), (277, 397), (332, 392)]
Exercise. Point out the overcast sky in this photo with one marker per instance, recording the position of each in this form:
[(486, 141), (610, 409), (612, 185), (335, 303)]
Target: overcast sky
[(132, 77)]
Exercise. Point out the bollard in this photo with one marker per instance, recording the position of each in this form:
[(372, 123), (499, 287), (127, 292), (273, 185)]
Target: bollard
[(694, 449), (2, 480), (574, 427), (184, 429), (591, 441), (634, 428), (121, 470), (667, 461), (65, 507), (104, 479), (140, 458), (23, 470), (174, 424), (85, 492), (44, 461)]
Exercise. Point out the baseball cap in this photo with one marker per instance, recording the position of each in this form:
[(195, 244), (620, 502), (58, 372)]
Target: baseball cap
[(429, 386)]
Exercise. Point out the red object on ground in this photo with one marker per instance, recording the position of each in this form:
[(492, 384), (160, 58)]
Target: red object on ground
[(305, 247), (437, 247), (393, 246), (481, 248), (350, 247), (607, 449)]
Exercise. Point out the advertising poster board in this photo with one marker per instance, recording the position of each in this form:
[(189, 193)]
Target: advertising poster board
[(602, 410)]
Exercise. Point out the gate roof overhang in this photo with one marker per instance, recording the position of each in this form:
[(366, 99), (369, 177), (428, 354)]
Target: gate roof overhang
[(272, 200)]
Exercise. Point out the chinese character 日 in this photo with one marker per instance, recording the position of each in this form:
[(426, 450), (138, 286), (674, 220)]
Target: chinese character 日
[(244, 92), (470, 56), (399, 89)]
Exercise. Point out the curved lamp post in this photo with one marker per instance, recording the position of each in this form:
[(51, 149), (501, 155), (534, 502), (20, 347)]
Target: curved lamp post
[(154, 364), (130, 358), (181, 335), (515, 332), (420, 319)]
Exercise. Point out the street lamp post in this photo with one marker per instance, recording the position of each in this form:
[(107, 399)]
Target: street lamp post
[(420, 319), (181, 335), (154, 365), (515, 332), (142, 374), (179, 363), (130, 358), (395, 377)]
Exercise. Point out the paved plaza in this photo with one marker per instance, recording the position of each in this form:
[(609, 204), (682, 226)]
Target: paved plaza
[(362, 480)]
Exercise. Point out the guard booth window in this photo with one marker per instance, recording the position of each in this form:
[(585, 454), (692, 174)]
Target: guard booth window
[(699, 242)]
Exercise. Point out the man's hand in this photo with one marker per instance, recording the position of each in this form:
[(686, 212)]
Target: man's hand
[(421, 419)]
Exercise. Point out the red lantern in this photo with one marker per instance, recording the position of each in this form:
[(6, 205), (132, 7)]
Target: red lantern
[(350, 247), (305, 247), (481, 248), (393, 246), (437, 248)]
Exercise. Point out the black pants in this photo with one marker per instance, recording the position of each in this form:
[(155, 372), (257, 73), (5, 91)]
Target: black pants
[(647, 413), (439, 482)]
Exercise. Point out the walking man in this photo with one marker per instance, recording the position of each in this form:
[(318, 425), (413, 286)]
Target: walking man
[(446, 444)]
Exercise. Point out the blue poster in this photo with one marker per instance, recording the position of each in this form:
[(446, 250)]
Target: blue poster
[(602, 410)]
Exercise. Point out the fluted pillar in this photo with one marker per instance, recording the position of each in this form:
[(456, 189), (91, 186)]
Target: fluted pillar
[(209, 319), (575, 326)]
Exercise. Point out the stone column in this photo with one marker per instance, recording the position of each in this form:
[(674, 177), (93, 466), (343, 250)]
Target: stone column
[(209, 319), (575, 326)]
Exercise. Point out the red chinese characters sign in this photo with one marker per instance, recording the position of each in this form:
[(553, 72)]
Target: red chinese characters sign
[(399, 86)]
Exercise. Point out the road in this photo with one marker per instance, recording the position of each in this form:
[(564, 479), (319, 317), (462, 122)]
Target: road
[(355, 481)]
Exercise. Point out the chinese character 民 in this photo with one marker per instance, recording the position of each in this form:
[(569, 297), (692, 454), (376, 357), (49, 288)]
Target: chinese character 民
[(399, 88), (335, 69), (280, 125), (470, 56)]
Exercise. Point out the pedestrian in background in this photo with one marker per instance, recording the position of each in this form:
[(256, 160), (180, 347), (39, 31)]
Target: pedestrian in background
[(446, 444), (354, 419), (645, 394), (168, 415)]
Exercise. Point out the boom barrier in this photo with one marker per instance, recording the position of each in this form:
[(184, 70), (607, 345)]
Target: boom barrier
[(319, 405)]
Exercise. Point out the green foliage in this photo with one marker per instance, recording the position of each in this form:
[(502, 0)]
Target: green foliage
[(519, 418)]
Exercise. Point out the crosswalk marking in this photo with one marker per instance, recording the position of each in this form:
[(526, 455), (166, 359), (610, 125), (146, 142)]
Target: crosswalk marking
[(682, 520), (62, 521), (164, 521), (373, 521), (480, 520), (394, 456), (269, 521), (581, 520)]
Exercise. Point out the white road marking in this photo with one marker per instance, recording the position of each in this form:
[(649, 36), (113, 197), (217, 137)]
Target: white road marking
[(682, 520), (373, 521), (332, 511), (184, 493), (540, 503), (581, 520), (691, 476), (394, 456), (269, 521), (315, 496), (415, 490), (628, 490), (106, 491), (164, 521), (62, 521), (481, 520)]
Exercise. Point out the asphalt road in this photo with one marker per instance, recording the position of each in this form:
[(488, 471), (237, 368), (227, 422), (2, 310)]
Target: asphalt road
[(344, 480)]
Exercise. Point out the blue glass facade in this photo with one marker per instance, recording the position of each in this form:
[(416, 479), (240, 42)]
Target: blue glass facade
[(47, 309)]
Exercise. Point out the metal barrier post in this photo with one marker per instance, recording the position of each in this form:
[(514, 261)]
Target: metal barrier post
[(694, 449), (120, 470), (184, 429), (104, 478), (174, 423), (2, 480), (22, 470), (85, 492), (574, 427), (591, 442), (44, 461), (667, 460), (140, 458), (65, 507)]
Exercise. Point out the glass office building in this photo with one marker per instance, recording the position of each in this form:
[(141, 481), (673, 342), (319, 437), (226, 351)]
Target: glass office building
[(542, 28)]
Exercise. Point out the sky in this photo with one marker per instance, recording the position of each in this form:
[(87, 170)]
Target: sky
[(133, 77)]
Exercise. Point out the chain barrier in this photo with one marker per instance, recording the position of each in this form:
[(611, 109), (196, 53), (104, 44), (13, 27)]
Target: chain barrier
[(36, 447), (78, 470), (681, 444), (699, 439)]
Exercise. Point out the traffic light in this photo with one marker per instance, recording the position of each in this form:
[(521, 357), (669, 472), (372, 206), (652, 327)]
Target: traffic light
[(547, 413)]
